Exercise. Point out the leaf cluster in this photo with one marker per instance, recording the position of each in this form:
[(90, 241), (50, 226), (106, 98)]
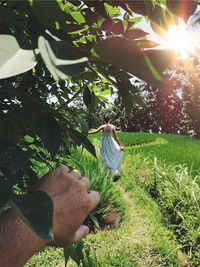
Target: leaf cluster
[(51, 53)]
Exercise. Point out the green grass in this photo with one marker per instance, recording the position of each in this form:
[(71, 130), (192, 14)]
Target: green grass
[(160, 201), (167, 148), (140, 241), (173, 180), (177, 193), (111, 199), (101, 181)]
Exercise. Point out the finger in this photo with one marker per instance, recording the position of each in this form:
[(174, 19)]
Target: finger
[(75, 173), (95, 198), (62, 169), (86, 182), (82, 231)]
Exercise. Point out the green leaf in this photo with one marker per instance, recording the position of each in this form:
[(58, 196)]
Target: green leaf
[(125, 54), (13, 158), (136, 19), (93, 103), (88, 75), (61, 58), (112, 11), (135, 34), (141, 7), (94, 220), (36, 210), (105, 92), (45, 125), (49, 132), (49, 13), (78, 17), (127, 98), (75, 252), (10, 56), (67, 253), (5, 192), (79, 138), (87, 96)]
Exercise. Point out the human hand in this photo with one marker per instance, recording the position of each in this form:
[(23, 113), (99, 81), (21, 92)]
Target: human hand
[(72, 203), (122, 148)]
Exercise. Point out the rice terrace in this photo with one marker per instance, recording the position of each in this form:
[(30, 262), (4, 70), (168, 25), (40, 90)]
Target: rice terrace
[(159, 226), (100, 133)]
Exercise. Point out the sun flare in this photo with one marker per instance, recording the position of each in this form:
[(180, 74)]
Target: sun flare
[(180, 39)]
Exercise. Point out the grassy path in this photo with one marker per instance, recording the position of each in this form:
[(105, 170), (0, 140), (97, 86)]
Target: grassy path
[(143, 240), (129, 245), (140, 241)]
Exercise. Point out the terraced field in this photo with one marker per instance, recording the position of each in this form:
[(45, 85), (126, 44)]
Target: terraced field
[(158, 198)]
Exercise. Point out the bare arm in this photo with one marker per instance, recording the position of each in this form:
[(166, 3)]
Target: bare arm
[(18, 243), (96, 130)]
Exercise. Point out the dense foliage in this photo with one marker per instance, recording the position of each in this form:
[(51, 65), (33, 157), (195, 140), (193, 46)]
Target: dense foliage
[(52, 52), (171, 109)]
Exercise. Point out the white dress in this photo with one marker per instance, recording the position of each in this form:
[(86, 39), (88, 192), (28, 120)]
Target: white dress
[(110, 152)]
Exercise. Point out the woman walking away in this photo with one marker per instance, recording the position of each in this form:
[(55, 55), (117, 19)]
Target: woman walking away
[(110, 148)]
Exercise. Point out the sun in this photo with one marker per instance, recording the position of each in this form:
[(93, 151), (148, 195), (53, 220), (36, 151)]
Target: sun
[(180, 39)]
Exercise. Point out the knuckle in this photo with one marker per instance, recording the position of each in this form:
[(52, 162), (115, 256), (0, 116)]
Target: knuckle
[(75, 173), (63, 170), (83, 184), (81, 187), (85, 180), (87, 205)]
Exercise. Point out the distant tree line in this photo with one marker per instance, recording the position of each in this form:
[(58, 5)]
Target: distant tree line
[(174, 108)]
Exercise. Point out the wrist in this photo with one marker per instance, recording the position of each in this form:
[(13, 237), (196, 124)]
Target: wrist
[(17, 237)]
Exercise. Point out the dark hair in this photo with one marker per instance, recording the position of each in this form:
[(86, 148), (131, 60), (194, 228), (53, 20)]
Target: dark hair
[(106, 118)]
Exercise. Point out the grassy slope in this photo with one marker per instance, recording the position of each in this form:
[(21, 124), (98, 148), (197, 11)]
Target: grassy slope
[(142, 239), (178, 193), (166, 147)]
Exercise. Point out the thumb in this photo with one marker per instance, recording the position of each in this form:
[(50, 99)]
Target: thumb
[(82, 231)]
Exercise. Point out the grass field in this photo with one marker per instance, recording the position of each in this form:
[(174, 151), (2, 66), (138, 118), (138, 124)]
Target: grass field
[(158, 195), (167, 148), (168, 167)]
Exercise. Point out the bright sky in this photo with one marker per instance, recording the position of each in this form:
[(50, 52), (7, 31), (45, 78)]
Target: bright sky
[(191, 38), (146, 27)]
